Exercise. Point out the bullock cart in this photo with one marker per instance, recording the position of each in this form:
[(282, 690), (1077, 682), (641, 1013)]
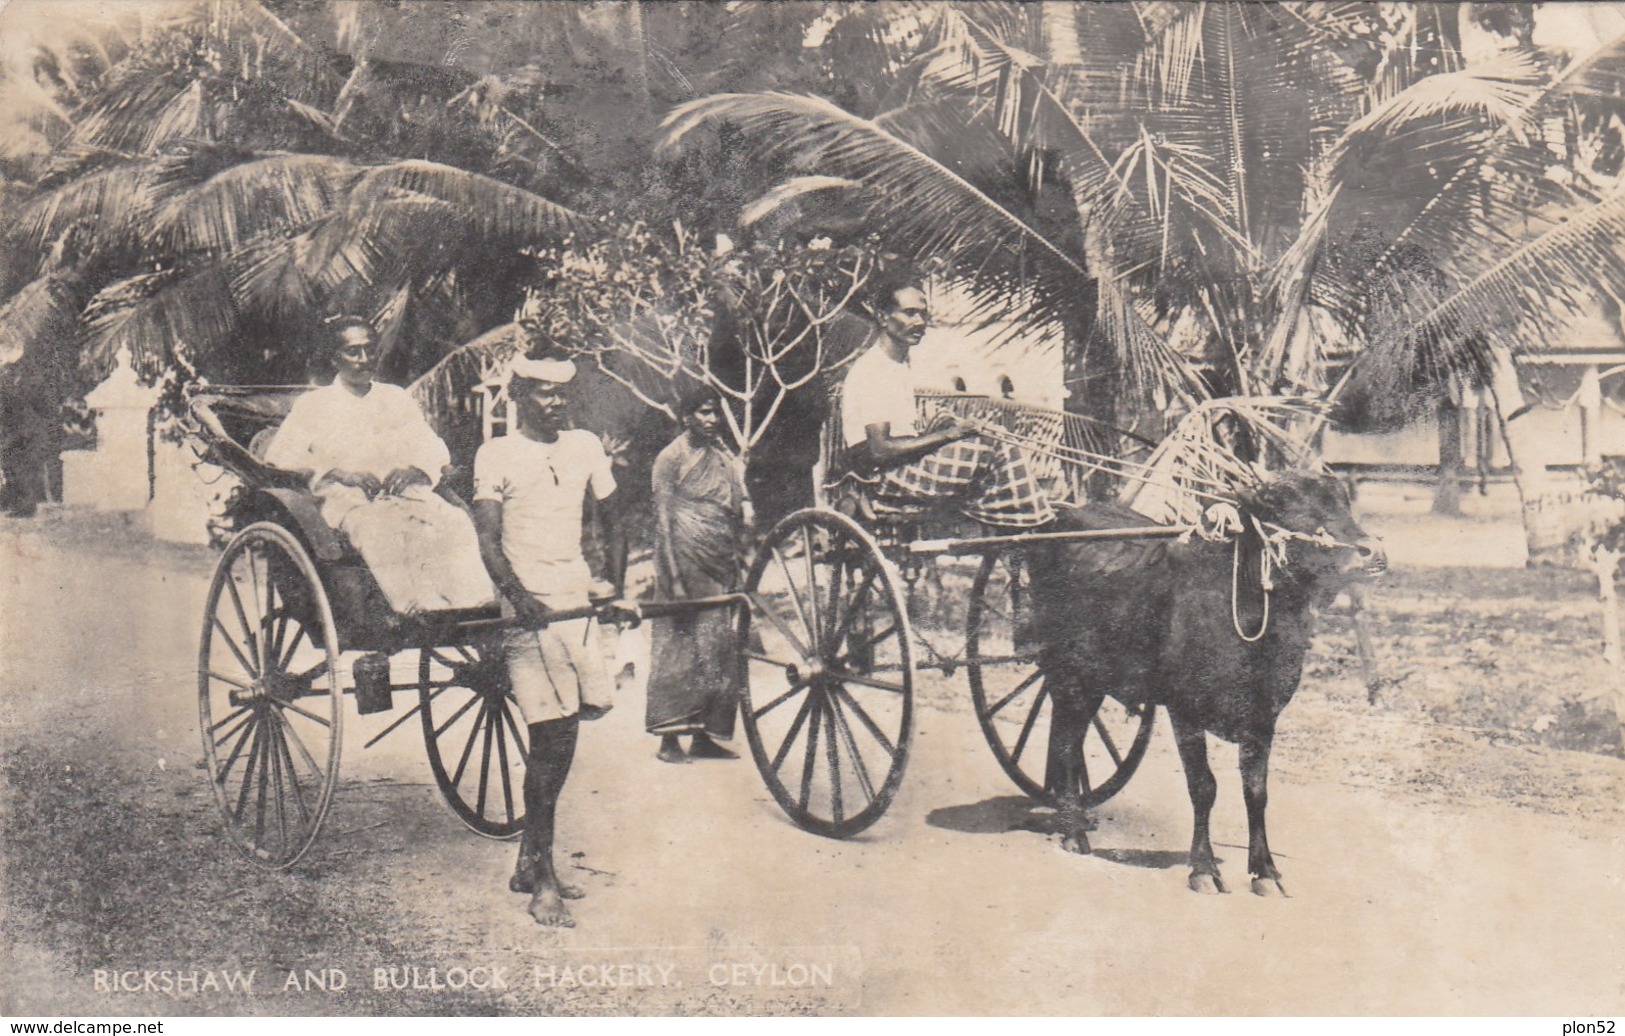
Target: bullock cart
[(835, 659)]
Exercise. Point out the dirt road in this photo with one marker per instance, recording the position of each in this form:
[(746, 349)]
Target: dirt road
[(1432, 869)]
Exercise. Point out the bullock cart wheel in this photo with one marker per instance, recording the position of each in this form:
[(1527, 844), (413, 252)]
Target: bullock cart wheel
[(475, 735), (1014, 707), (269, 700), (828, 691)]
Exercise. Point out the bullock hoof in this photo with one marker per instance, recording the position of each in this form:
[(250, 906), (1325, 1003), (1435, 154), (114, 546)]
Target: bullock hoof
[(1207, 884), (1076, 842), (1269, 888)]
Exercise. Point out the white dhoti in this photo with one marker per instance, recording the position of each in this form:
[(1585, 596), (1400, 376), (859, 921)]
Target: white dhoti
[(558, 670), (423, 551)]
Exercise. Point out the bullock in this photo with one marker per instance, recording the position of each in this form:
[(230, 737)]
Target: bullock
[(1215, 632)]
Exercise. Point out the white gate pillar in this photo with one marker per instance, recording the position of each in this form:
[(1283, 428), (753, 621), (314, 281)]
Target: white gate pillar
[(115, 476)]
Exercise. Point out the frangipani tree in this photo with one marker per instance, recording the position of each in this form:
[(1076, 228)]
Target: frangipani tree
[(660, 312)]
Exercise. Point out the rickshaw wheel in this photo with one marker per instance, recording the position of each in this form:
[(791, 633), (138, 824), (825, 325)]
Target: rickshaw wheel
[(1013, 706), (828, 684), (471, 718), (270, 707)]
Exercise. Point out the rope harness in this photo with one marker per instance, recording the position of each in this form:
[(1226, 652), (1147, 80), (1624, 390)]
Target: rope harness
[(1273, 540), (1221, 520), (1088, 460)]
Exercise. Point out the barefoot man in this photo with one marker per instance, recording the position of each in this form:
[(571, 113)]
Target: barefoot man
[(530, 492)]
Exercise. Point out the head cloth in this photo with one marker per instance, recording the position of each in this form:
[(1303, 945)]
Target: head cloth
[(557, 371)]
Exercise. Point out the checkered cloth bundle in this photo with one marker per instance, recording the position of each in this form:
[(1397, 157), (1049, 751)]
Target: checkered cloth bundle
[(990, 481)]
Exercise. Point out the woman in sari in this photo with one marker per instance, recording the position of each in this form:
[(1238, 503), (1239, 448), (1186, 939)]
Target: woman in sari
[(700, 532)]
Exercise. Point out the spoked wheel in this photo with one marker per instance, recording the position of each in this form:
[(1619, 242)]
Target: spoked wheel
[(1014, 707), (475, 735), (827, 698), (269, 702)]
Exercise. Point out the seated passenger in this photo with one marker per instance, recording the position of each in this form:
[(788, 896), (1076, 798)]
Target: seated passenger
[(373, 460), (991, 482)]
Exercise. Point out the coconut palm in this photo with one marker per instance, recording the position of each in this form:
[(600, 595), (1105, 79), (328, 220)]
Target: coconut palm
[(1221, 197), (227, 180)]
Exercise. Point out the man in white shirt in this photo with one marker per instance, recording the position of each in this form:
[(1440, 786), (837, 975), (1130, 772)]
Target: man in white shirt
[(530, 492), (989, 481), (373, 460)]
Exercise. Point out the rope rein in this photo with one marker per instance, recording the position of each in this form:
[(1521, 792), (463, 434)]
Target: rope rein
[(1273, 540), (1266, 585)]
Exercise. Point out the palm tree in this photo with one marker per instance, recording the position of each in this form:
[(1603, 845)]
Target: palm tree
[(224, 180), (1218, 198)]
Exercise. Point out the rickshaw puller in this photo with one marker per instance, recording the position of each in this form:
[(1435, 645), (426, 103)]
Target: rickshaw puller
[(530, 494)]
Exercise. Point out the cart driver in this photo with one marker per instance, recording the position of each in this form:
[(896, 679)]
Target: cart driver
[(947, 463), (373, 460), (531, 491)]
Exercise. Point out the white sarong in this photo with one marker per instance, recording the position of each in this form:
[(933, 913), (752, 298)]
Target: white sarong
[(422, 550)]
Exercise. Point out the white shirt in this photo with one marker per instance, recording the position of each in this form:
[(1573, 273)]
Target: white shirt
[(877, 390), (542, 487), (332, 427)]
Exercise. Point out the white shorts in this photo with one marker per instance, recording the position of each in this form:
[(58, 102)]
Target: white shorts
[(558, 669)]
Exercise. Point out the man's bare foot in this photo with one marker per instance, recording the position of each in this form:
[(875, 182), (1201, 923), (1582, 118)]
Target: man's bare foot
[(670, 750), (547, 908), (525, 882), (704, 748)]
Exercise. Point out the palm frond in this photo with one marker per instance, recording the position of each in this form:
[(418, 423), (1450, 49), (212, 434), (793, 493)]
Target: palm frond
[(1499, 92), (1524, 300), (1288, 289), (1030, 106), (382, 225), (44, 307), (180, 119), (1236, 132), (389, 318), (250, 40), (139, 114), (446, 389), (378, 240), (159, 316), (925, 203), (790, 190), (110, 207), (276, 276), (275, 194), (487, 208), (1517, 173), (1146, 358), (427, 216)]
